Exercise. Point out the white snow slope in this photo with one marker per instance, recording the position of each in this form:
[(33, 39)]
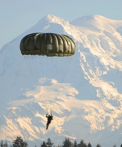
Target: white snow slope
[(87, 103)]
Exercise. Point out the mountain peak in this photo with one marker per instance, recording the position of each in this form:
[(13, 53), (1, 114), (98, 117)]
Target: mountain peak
[(93, 18), (50, 23), (52, 19), (97, 22)]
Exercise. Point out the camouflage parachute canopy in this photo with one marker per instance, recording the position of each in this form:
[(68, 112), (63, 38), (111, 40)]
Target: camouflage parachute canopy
[(48, 44)]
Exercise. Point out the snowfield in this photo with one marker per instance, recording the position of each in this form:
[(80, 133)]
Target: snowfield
[(84, 92)]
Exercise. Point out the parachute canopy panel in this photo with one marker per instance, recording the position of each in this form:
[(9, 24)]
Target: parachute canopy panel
[(48, 44)]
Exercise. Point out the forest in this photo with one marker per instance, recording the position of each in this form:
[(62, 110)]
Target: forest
[(19, 142)]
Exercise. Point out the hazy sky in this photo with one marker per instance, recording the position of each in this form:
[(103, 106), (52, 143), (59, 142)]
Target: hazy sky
[(16, 16)]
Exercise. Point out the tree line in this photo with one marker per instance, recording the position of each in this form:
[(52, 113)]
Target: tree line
[(19, 142)]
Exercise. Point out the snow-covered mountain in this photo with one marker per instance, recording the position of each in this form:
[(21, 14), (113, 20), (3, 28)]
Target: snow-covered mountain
[(85, 95)]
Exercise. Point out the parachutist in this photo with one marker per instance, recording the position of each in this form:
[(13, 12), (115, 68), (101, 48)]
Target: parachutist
[(50, 45), (49, 119)]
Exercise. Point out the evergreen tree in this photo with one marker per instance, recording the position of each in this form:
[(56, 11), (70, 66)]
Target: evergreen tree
[(82, 144), (1, 143), (43, 144), (49, 142), (98, 145), (75, 144), (67, 143), (121, 145), (114, 146), (6, 144), (19, 142), (89, 145)]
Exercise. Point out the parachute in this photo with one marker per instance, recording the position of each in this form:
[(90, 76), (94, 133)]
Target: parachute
[(48, 44), (53, 53)]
